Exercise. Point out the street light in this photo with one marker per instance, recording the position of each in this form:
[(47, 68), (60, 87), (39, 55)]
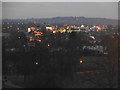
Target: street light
[(81, 61), (36, 63), (49, 45)]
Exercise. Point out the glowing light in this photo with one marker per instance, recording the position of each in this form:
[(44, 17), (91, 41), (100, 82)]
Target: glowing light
[(67, 27), (82, 26), (64, 30), (92, 37), (49, 45), (56, 26), (32, 28), (41, 32), (31, 39), (36, 62), (49, 28), (39, 40), (54, 31), (37, 34), (19, 37), (85, 31), (81, 61), (29, 29)]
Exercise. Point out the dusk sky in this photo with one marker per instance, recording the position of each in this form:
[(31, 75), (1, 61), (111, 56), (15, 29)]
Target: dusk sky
[(13, 10)]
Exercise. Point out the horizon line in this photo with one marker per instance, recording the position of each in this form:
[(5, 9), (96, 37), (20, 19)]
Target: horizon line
[(60, 17)]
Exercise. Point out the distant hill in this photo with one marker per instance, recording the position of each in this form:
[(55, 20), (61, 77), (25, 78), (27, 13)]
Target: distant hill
[(68, 20)]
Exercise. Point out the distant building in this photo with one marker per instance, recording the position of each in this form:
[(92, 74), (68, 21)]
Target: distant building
[(49, 28)]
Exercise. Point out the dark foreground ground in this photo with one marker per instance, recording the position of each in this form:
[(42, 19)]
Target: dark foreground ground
[(92, 73)]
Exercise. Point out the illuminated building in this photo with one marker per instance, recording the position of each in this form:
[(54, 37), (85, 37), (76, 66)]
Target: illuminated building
[(49, 28)]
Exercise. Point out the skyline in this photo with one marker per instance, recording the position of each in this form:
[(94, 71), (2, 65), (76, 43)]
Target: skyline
[(24, 10)]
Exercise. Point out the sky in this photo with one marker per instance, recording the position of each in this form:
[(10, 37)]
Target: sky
[(13, 10), (59, 0)]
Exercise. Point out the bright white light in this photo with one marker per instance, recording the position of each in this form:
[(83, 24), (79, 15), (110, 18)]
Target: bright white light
[(92, 37), (29, 29), (82, 26)]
